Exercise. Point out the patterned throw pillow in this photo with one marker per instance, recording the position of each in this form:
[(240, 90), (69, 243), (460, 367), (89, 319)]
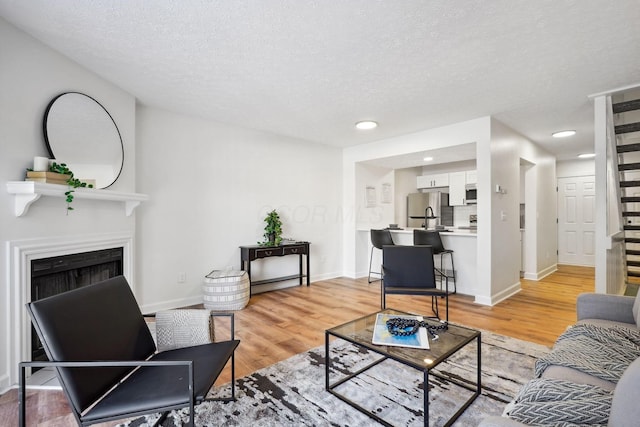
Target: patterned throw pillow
[(183, 328), (558, 403)]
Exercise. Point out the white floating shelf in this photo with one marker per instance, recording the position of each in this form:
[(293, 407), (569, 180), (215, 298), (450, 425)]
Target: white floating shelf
[(27, 192)]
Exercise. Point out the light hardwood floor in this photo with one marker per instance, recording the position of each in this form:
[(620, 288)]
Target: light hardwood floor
[(276, 325)]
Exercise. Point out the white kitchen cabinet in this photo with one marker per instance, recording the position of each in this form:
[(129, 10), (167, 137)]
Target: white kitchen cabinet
[(457, 190), (432, 181), (472, 177)]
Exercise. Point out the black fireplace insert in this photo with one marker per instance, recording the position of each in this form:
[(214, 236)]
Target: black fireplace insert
[(51, 276)]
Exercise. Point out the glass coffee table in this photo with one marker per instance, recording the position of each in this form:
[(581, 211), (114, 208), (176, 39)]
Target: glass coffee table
[(360, 333)]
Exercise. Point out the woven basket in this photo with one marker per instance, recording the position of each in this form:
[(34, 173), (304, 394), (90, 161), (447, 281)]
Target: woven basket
[(226, 290)]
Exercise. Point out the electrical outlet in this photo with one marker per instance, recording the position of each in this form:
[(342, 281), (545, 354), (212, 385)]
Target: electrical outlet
[(182, 277)]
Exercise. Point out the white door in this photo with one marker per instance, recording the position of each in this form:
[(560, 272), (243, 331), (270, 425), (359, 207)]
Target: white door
[(576, 220)]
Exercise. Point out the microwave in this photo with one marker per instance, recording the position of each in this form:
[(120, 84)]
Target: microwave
[(470, 197)]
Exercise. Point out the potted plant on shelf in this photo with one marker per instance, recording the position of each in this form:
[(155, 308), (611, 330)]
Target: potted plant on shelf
[(63, 175), (272, 229), (71, 182)]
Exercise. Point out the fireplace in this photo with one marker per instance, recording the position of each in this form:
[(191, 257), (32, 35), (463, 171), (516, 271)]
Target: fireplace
[(25, 255), (54, 275)]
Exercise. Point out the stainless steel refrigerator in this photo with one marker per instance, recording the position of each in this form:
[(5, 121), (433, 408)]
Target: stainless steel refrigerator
[(417, 204)]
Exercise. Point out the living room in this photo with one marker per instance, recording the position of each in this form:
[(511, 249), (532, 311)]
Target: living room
[(209, 186), (223, 165)]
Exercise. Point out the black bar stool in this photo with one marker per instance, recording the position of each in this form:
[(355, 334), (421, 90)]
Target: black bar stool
[(379, 238), (432, 238)]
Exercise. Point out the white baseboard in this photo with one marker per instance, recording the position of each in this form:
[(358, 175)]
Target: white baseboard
[(168, 305), (361, 274), (198, 299), (353, 274), (500, 296), (325, 276), (541, 274), (547, 271), (4, 383)]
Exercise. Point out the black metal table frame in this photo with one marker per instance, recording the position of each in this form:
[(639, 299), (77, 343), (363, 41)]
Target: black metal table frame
[(477, 389), (254, 252)]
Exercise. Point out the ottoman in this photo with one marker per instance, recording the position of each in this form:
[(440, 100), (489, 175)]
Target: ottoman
[(226, 290)]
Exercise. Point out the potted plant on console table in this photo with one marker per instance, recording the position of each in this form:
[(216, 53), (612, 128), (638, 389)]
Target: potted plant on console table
[(272, 229)]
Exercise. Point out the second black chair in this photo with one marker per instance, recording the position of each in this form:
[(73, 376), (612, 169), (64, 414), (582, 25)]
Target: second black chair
[(409, 270), (379, 238), (432, 238)]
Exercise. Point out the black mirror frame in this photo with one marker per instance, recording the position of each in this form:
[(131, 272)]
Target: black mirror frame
[(46, 134)]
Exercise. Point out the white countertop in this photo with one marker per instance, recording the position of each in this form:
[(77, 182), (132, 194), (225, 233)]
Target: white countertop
[(451, 231)]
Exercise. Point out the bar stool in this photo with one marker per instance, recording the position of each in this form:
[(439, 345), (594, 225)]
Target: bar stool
[(379, 238), (432, 238)]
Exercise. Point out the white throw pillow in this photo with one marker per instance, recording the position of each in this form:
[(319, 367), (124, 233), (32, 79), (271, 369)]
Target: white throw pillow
[(183, 328)]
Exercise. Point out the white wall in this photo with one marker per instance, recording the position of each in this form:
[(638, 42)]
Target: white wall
[(379, 214), (210, 186), (405, 183), (464, 165), (579, 167), (508, 148), (30, 76)]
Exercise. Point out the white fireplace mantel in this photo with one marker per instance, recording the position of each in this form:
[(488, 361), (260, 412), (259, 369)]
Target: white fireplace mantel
[(27, 192), (20, 254)]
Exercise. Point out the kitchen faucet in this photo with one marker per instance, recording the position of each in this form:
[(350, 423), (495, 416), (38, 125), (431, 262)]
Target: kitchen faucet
[(427, 217)]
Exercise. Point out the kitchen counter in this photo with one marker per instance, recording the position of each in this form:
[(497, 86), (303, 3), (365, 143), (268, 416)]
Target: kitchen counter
[(461, 241), (447, 231)]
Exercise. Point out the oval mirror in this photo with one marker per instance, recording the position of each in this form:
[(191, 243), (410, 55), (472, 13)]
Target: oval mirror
[(80, 132)]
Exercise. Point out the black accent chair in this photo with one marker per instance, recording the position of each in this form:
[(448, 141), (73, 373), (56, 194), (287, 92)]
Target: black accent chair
[(432, 238), (409, 270), (106, 359), (379, 238)]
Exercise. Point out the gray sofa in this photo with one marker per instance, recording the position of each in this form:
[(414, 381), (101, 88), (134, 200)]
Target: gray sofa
[(606, 311)]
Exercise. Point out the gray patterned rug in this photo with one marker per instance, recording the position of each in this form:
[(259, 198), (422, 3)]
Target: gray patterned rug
[(292, 392)]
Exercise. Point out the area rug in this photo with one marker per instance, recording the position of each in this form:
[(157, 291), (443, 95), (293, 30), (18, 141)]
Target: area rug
[(292, 392)]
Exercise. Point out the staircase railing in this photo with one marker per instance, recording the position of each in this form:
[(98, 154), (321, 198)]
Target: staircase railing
[(615, 222), (610, 247), (616, 253)]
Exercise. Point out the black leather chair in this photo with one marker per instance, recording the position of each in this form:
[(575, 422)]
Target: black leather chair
[(379, 238), (96, 337), (432, 238), (409, 270)]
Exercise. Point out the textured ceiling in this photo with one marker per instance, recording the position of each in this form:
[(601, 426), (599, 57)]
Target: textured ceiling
[(311, 69)]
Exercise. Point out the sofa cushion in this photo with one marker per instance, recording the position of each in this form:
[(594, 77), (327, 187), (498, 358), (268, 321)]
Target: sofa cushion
[(604, 306), (636, 310), (576, 376), (625, 411)]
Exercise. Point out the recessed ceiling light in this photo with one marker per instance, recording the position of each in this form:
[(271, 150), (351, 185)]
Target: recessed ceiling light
[(366, 125), (428, 159), (586, 155), (563, 133)]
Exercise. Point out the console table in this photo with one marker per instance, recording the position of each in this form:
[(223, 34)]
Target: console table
[(253, 252)]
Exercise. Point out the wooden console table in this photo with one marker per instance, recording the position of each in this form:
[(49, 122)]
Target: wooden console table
[(253, 252)]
